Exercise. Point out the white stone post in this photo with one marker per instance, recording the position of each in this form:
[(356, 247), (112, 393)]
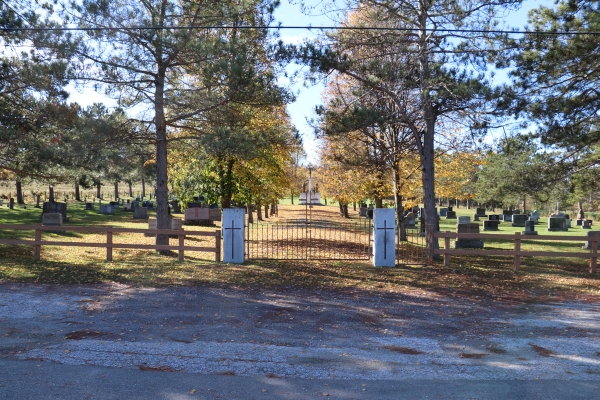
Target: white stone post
[(384, 237), (233, 235)]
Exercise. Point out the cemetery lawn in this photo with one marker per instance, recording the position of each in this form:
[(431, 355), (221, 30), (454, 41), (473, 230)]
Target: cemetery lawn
[(468, 276)]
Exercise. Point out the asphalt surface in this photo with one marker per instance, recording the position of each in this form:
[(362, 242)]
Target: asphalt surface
[(117, 341)]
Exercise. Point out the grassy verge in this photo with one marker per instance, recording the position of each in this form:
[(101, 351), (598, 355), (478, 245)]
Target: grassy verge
[(468, 276)]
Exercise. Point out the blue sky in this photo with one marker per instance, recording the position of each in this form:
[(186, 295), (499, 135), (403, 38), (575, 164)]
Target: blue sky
[(290, 14)]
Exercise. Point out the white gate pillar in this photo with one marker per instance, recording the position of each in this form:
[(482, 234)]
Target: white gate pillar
[(232, 224), (384, 237)]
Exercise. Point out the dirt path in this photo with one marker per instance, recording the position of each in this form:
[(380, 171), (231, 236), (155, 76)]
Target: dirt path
[(298, 333)]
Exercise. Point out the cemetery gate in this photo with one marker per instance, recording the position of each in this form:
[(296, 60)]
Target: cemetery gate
[(317, 239)]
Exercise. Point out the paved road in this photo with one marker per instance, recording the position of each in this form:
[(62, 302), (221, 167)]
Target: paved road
[(116, 341)]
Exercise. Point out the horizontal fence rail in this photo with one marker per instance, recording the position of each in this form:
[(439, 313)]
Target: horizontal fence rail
[(517, 253), (37, 243)]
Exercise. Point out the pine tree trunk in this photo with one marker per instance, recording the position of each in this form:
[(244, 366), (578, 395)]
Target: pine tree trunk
[(116, 190), (524, 206), (51, 194), (346, 211), (249, 211), (98, 194), (259, 212), (130, 189), (162, 189), (399, 206), (143, 188), (292, 193), (77, 192), (20, 199), (266, 211)]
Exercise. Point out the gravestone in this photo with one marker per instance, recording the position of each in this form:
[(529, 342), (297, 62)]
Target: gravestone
[(588, 244), (115, 204), (557, 224), (233, 235), (507, 217), (52, 219), (370, 213), (410, 220), (579, 222), (214, 213), (128, 207), (443, 211), (194, 204), (89, 206), (535, 216), (106, 209), (587, 224), (464, 220), (468, 243), (568, 220), (450, 208), (175, 224), (480, 212), (530, 228), (55, 207), (450, 214), (362, 211), (384, 237), (519, 220), (11, 203), (151, 225), (175, 206), (494, 217), (1, 202), (476, 217), (196, 214), (491, 225), (140, 213)]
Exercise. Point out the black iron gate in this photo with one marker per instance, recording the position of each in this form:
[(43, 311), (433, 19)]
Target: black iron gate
[(310, 240), (317, 239)]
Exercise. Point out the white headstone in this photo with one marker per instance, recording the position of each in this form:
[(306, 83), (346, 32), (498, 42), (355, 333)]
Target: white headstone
[(233, 235), (384, 237)]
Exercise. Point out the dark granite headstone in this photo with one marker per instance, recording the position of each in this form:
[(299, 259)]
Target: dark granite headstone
[(588, 244), (11, 203), (480, 212), (519, 220), (468, 243), (451, 214), (557, 224), (89, 206), (55, 207), (494, 217), (491, 225), (529, 228)]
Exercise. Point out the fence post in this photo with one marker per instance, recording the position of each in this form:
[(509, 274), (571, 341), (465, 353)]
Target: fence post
[(218, 247), (517, 250), (594, 256), (37, 247), (181, 244), (108, 244), (447, 249)]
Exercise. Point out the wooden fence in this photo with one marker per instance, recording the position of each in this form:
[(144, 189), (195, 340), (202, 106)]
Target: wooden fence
[(37, 243), (517, 253)]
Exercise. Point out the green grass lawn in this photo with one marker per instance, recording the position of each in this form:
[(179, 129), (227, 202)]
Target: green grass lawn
[(467, 275)]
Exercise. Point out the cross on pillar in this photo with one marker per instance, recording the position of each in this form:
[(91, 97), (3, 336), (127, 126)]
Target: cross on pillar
[(385, 229), (232, 236)]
